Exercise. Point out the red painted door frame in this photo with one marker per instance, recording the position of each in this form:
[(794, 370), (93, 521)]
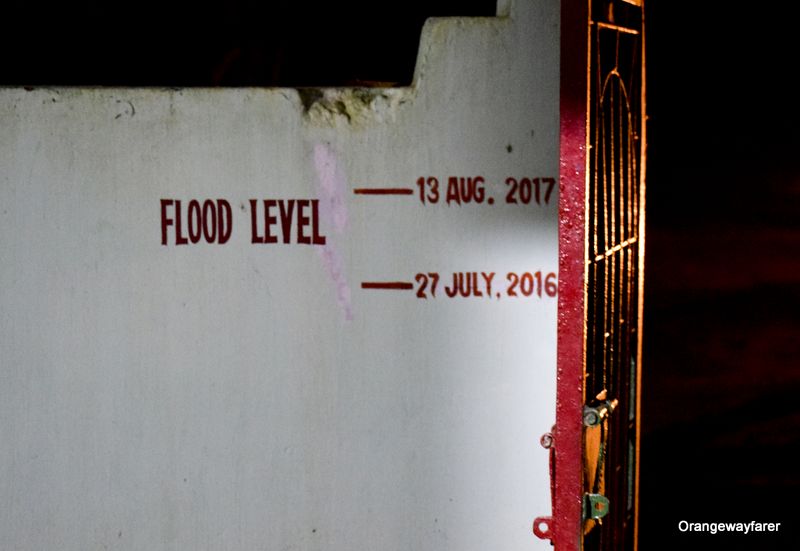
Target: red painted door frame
[(565, 527), (568, 437)]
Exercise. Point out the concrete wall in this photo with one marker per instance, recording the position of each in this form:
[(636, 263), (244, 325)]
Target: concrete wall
[(247, 395)]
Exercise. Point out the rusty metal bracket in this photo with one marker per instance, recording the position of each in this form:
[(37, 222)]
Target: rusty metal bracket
[(595, 506)]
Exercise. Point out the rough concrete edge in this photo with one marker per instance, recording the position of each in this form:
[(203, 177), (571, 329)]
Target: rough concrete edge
[(355, 107), (358, 107)]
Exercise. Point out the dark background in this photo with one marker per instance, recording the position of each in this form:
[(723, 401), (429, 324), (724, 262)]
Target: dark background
[(721, 424), (721, 383)]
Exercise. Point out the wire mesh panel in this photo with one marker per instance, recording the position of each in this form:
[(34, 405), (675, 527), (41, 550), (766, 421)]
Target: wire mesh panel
[(614, 193)]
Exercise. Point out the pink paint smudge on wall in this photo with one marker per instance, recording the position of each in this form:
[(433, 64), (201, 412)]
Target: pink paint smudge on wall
[(333, 187), (333, 213)]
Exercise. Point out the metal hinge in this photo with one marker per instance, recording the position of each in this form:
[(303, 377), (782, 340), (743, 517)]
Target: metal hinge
[(543, 526)]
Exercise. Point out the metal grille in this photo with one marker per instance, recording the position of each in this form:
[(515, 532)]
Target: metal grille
[(614, 198)]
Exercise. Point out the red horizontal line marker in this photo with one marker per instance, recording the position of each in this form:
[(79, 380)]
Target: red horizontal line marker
[(383, 191), (387, 285)]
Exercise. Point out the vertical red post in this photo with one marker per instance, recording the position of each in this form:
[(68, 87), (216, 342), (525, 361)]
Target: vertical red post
[(574, 105)]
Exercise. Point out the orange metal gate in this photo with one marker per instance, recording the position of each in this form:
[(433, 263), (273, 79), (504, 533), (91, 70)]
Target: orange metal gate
[(594, 447)]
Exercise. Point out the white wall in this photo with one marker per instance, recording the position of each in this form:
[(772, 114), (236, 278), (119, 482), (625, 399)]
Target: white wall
[(248, 396)]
